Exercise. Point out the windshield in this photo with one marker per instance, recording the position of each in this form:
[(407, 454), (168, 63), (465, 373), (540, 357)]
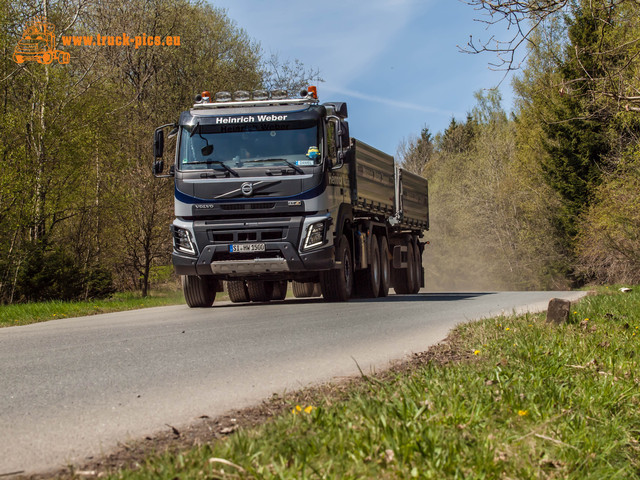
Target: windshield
[(250, 145)]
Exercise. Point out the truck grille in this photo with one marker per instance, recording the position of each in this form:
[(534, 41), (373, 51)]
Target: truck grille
[(248, 206), (270, 235)]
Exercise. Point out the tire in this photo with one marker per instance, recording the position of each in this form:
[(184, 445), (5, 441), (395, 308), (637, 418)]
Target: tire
[(199, 292), (417, 264), (47, 58), (368, 280), (279, 290), (303, 289), (385, 268), (64, 58), (237, 291), (259, 291), (404, 278), (337, 283)]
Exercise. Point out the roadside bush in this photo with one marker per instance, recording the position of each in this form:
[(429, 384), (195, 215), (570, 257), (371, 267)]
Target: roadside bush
[(56, 275)]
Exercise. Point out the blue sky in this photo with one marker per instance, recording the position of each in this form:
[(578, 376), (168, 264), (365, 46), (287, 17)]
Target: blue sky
[(395, 62)]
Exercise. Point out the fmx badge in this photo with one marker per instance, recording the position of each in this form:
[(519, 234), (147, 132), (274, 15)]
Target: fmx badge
[(38, 43)]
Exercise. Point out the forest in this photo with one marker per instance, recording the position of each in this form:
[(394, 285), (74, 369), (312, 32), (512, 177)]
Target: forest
[(81, 215), (546, 196)]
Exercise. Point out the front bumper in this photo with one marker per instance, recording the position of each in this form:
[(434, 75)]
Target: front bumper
[(281, 257), (278, 258)]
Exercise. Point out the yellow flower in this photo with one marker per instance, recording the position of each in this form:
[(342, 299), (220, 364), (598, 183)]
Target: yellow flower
[(522, 413), (586, 319), (477, 352), (507, 329), (308, 409)]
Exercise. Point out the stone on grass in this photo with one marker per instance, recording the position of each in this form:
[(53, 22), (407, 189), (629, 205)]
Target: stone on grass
[(558, 310)]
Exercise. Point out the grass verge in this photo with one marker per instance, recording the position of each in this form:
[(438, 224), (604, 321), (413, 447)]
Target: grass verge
[(26, 313), (510, 397)]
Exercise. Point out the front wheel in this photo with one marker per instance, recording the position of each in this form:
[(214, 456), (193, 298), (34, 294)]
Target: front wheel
[(199, 292), (337, 283)]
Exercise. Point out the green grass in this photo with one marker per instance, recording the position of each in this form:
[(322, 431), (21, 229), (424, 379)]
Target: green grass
[(511, 397), (26, 313)]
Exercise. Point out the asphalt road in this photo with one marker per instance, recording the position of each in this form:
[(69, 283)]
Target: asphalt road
[(72, 388)]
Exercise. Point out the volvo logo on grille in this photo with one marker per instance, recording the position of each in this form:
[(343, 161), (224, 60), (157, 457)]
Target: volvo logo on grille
[(246, 188)]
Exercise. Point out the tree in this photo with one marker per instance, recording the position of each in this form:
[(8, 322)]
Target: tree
[(416, 152), (75, 149)]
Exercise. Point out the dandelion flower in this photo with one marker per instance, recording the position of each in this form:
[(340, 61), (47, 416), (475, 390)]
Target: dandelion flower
[(308, 409), (507, 329), (477, 352), (523, 413)]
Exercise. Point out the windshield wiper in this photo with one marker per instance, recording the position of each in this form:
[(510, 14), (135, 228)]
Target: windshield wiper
[(215, 162), (292, 165)]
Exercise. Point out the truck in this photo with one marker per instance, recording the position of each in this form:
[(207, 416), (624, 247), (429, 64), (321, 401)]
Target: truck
[(271, 189), (38, 43)]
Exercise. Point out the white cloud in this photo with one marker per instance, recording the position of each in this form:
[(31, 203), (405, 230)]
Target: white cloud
[(387, 101)]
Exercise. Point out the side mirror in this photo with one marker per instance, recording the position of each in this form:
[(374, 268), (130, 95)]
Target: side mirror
[(158, 149), (158, 142), (158, 167), (341, 141)]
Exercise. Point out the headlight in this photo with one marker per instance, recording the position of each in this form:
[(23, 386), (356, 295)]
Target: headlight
[(182, 241), (315, 235)]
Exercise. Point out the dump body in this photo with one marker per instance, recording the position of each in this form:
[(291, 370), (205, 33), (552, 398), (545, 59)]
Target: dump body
[(372, 180), (412, 199)]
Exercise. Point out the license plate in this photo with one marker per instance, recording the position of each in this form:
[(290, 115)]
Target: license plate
[(247, 247)]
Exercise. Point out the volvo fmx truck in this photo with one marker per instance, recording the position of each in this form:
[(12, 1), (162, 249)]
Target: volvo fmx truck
[(271, 190)]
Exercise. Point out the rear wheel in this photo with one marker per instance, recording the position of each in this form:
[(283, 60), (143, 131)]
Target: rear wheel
[(385, 268), (404, 278), (279, 290), (368, 280), (303, 289), (337, 283), (237, 291), (260, 291), (417, 267), (46, 58), (199, 291)]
